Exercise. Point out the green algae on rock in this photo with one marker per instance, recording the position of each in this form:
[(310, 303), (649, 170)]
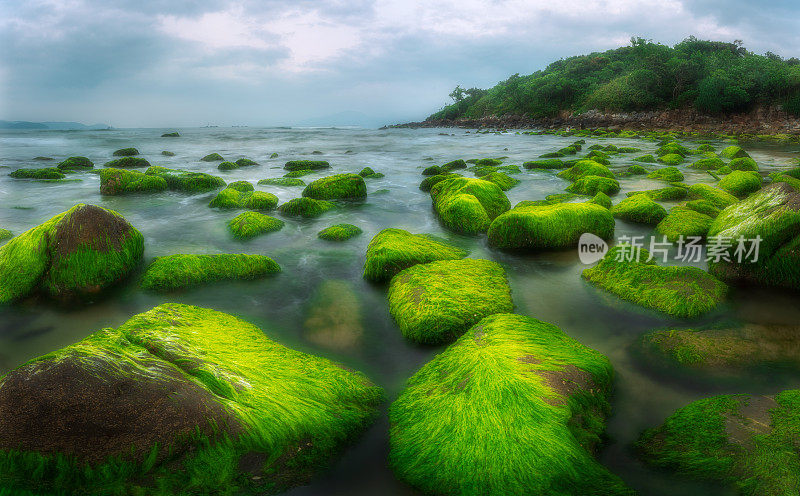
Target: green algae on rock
[(602, 199), (186, 181), (368, 173), (669, 174), (428, 182), (297, 165), (173, 134), (514, 406), (75, 163), (629, 273), (184, 271), (453, 165), (339, 232), (741, 183), (744, 164), (305, 207), (337, 187), (641, 209), (248, 225), (213, 157), (168, 153), (552, 163), (177, 386), (746, 441), (121, 182), (671, 159), (436, 302), (43, 173), (433, 170), (585, 168), (5, 234), (468, 205), (127, 162), (76, 253), (238, 195), (505, 181), (245, 162), (673, 148), (554, 226), (635, 170), (393, 250), (226, 166), (648, 159), (298, 173), (682, 221), (126, 152), (707, 164), (282, 181), (718, 197), (732, 152), (591, 185)]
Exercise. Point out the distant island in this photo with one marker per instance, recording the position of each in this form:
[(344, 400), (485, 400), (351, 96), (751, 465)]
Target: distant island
[(55, 126), (694, 85)]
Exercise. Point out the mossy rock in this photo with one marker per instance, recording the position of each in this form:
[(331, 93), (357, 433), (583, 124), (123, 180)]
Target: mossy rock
[(671, 159), (297, 165), (704, 207), (591, 185), (305, 207), (226, 166), (602, 199), (244, 197), (337, 187), (282, 181), (707, 164), (586, 168), (185, 271), (669, 174), (649, 159), (505, 181), (673, 148), (46, 173), (554, 226), (718, 197), (684, 222), (552, 163), (339, 232), (77, 253), (122, 182), (168, 153), (774, 215), (126, 152), (706, 147), (298, 173), (629, 273), (177, 386), (551, 155), (242, 186), (173, 134), (628, 149), (248, 225), (433, 170), (273, 155), (125, 162), (743, 164), (641, 209), (246, 162), (186, 181), (636, 170), (741, 183), (368, 173), (393, 250), (5, 234), (598, 156), (515, 406), (436, 302), (75, 163), (725, 169), (213, 157), (453, 165), (487, 162), (732, 152), (742, 440), (467, 205), (428, 182)]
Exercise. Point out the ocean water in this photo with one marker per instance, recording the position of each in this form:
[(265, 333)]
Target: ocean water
[(546, 285)]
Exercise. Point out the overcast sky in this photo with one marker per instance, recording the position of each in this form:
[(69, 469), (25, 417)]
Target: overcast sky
[(132, 63)]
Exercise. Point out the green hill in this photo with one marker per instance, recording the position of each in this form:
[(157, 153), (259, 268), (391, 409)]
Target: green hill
[(711, 77)]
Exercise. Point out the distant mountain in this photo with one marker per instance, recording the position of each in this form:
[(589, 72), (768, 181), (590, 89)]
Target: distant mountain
[(57, 126), (343, 119)]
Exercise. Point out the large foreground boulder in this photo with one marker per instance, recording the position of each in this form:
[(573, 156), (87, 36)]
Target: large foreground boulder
[(468, 205), (76, 253), (515, 406), (393, 250), (171, 397), (541, 227)]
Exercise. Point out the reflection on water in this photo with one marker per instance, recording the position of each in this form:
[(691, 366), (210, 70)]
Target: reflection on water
[(321, 292)]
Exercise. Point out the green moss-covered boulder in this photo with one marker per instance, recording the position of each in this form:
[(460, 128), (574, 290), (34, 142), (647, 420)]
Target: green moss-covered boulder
[(237, 195), (184, 271), (515, 406), (704, 207), (273, 155), (732, 152), (298, 173), (773, 214), (602, 199), (707, 164), (743, 164), (542, 227), (305, 207), (641, 209), (649, 159), (468, 205), (226, 166), (393, 250), (186, 181), (74, 254), (671, 159), (337, 187), (673, 148), (121, 182), (245, 162), (488, 161), (297, 165), (586, 168), (591, 185), (433, 170), (627, 272), (683, 221), (436, 302), (428, 182), (248, 225), (213, 157), (635, 170), (282, 181), (75, 163), (741, 183), (718, 197), (505, 181), (552, 163), (453, 165), (46, 173), (368, 173), (746, 441), (5, 234), (669, 174), (126, 152), (173, 134), (125, 162), (178, 386), (168, 153), (339, 232)]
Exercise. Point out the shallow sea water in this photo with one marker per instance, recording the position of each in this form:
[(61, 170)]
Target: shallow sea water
[(546, 286)]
